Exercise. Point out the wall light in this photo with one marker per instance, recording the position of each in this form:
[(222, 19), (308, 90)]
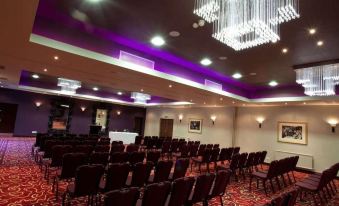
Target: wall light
[(38, 104), (260, 120), (213, 118), (83, 108), (181, 117), (118, 112), (333, 123)]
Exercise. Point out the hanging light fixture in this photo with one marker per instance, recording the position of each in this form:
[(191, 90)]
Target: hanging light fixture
[(319, 80), (68, 86), (140, 98), (243, 24)]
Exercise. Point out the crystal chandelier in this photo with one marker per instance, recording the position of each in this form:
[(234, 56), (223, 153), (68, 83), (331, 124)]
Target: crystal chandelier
[(243, 24), (319, 80), (68, 86), (140, 98)]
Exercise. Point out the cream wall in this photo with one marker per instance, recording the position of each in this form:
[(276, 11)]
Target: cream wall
[(323, 145), (220, 132)]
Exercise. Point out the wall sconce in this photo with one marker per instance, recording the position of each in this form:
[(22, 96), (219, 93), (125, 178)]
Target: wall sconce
[(333, 123), (118, 112), (213, 118), (83, 109), (260, 120), (181, 117), (38, 104)]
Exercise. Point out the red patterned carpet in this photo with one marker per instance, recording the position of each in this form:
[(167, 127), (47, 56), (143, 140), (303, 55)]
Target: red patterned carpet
[(22, 183)]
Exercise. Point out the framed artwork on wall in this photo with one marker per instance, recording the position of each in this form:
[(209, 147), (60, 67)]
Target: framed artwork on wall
[(292, 132), (195, 125)]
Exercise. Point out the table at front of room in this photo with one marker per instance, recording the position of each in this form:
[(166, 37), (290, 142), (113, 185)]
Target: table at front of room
[(126, 137)]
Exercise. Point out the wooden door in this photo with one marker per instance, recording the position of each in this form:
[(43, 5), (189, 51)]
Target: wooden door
[(166, 127), (7, 117)]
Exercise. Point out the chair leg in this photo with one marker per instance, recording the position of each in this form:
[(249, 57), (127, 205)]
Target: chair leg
[(321, 199), (221, 202), (272, 186), (293, 176), (264, 185), (278, 183), (283, 180), (289, 179), (250, 183)]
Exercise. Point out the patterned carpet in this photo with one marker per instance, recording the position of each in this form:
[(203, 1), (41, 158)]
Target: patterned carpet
[(22, 183)]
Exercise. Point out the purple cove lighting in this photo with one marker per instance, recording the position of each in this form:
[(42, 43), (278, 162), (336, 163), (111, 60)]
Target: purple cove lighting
[(128, 57), (213, 84)]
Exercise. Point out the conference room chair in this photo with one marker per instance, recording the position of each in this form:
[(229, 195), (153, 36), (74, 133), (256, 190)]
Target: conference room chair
[(70, 163), (86, 183), (241, 164), (99, 158), (118, 157), (209, 146), (138, 140), (221, 181), (181, 190), (161, 172), (101, 148), (262, 158), (233, 166), (117, 148), (215, 146), (159, 143), (236, 150), (156, 194), (140, 174), (165, 150), (132, 148), (202, 189), (153, 156), (180, 168), (86, 149), (223, 155), (123, 197), (250, 162), (116, 177), (193, 150), (256, 160), (214, 158), (202, 160), (136, 157)]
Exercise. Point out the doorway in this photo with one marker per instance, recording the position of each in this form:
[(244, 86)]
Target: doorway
[(166, 128), (7, 117)]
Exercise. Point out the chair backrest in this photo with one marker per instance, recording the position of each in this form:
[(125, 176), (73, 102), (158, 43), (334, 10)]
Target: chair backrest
[(162, 171), (202, 187), (181, 190), (136, 157), (86, 149), (236, 150), (221, 181), (207, 155), (209, 146), (49, 144), (99, 158), (262, 157), (138, 140), (250, 159), (234, 162), (174, 146), (215, 155), (272, 169), (87, 179), (58, 152), (156, 194), (201, 149), (132, 148), (193, 150), (180, 168), (141, 173), (70, 162), (184, 150), (166, 147), (117, 148), (215, 146), (116, 176), (124, 197), (118, 157), (256, 159), (101, 148), (153, 156), (242, 160), (159, 143)]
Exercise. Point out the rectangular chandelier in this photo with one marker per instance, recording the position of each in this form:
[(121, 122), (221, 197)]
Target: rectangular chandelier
[(140, 98), (319, 80), (243, 24), (68, 86)]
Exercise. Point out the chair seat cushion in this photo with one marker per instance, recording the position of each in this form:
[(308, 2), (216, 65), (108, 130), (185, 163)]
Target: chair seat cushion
[(259, 174), (307, 186)]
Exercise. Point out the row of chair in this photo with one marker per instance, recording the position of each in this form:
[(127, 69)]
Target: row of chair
[(286, 199), (319, 183), (277, 168), (180, 192)]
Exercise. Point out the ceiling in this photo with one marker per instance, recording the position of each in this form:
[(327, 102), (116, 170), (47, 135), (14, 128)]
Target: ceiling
[(141, 20), (20, 52)]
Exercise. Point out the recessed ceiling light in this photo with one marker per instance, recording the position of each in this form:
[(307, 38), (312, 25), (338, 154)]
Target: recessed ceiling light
[(119, 93), (253, 73), (222, 58), (206, 61), (141, 90), (204, 102), (56, 58), (284, 50), (191, 100), (35, 76), (45, 70), (174, 33), (95, 88), (195, 25), (158, 41), (233, 102), (285, 103), (221, 99), (201, 22), (320, 43), (170, 86), (312, 31), (2, 86), (237, 76), (273, 83), (304, 103), (94, 1)]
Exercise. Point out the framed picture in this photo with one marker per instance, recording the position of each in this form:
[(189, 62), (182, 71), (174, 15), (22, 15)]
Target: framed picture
[(195, 125), (292, 132)]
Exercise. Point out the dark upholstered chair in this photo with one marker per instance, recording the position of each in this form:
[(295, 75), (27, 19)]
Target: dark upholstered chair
[(141, 173), (221, 181), (156, 194), (181, 191), (136, 157), (271, 173), (180, 168), (58, 152), (165, 151), (101, 148), (116, 177), (241, 164), (214, 158), (118, 157), (99, 158), (232, 166), (236, 150), (70, 163), (205, 159), (132, 148), (162, 171), (138, 140), (250, 162), (86, 149), (153, 156), (209, 146), (117, 148), (86, 183), (124, 197), (201, 150), (202, 189)]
